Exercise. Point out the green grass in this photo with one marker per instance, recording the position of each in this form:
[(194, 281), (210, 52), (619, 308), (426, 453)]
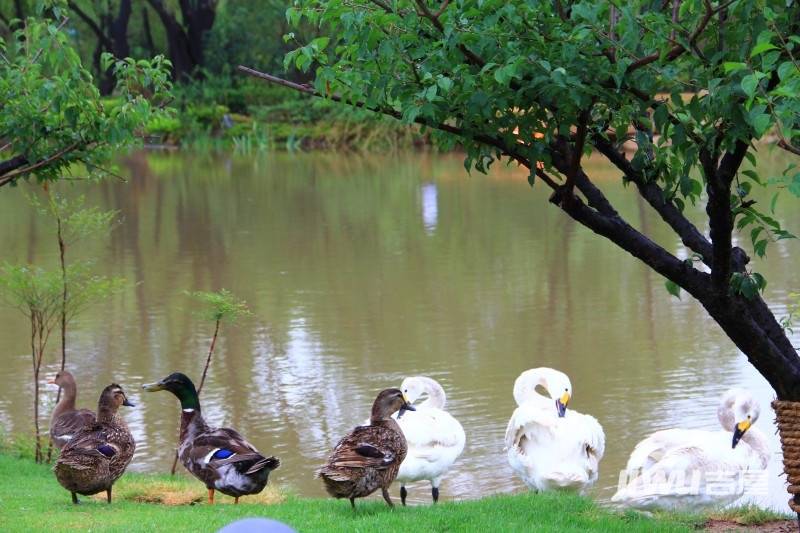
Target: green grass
[(32, 500), (749, 515)]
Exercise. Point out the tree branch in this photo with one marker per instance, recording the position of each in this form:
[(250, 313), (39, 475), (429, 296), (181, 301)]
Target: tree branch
[(615, 229), (471, 56), (599, 215), (654, 195), (783, 143), (718, 207), (12, 164), (442, 8), (449, 128), (678, 49), (101, 36), (10, 176)]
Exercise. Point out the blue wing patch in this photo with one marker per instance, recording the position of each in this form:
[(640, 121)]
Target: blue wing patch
[(107, 450), (222, 453)]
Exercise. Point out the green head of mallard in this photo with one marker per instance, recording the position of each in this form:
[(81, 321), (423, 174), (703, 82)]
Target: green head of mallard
[(179, 385)]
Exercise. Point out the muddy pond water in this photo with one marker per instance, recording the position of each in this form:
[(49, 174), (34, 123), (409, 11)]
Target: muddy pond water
[(360, 271)]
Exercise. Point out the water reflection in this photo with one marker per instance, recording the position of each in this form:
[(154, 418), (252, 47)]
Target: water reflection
[(351, 293), (430, 207)]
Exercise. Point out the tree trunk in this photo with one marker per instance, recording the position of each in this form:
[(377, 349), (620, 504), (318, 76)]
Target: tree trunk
[(148, 33), (755, 331), (186, 42), (117, 33), (198, 17)]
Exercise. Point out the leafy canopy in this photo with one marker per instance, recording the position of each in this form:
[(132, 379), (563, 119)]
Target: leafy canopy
[(36, 291), (51, 113), (514, 78)]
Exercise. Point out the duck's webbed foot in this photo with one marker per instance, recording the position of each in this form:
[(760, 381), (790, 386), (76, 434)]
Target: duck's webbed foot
[(403, 494), (387, 497)]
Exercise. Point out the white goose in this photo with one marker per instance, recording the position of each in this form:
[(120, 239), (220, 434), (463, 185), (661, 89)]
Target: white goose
[(548, 446), (691, 468), (435, 438)]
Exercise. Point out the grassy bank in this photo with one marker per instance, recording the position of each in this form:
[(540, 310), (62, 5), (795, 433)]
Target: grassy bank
[(31, 500), (249, 116)]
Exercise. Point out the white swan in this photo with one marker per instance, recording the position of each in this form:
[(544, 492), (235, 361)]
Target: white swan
[(548, 446), (690, 468), (435, 438)]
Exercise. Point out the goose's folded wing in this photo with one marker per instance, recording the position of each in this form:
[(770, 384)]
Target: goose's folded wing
[(531, 420), (654, 448), (431, 428), (586, 430)]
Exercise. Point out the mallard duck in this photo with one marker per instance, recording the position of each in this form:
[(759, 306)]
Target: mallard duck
[(97, 454), (435, 439), (548, 446), (369, 457), (66, 420), (689, 469), (219, 457)]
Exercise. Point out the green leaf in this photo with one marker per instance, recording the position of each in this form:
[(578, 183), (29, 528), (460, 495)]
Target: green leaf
[(673, 288), (760, 247), (761, 123), (320, 43), (749, 84), (760, 48), (444, 83), (773, 202), (731, 66)]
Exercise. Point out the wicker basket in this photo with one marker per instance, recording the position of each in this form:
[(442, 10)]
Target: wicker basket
[(788, 420)]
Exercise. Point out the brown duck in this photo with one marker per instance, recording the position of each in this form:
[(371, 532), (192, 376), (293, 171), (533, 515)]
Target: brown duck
[(219, 457), (66, 420), (368, 458), (97, 455)]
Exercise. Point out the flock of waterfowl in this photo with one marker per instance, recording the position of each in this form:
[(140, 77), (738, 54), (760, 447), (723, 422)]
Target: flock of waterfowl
[(549, 446)]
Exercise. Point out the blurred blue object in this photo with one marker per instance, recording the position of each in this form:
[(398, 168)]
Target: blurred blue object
[(256, 525)]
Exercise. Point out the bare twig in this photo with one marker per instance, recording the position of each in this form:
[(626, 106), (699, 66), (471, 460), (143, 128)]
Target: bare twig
[(783, 143), (676, 5), (442, 8), (210, 353)]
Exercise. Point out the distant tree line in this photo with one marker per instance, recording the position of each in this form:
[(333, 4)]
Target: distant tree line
[(200, 37)]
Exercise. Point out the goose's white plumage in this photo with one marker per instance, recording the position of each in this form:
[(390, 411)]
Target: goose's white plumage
[(435, 439), (690, 469), (546, 450)]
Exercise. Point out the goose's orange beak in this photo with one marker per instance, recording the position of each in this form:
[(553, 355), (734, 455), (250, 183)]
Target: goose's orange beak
[(561, 404), (740, 430)]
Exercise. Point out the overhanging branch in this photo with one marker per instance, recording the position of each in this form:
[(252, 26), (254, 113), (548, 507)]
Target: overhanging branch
[(599, 215), (489, 140)]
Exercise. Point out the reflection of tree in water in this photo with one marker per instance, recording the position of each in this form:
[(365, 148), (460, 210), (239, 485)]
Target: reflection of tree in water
[(647, 289)]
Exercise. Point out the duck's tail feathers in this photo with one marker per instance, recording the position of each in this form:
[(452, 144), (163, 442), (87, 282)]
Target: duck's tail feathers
[(269, 463)]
